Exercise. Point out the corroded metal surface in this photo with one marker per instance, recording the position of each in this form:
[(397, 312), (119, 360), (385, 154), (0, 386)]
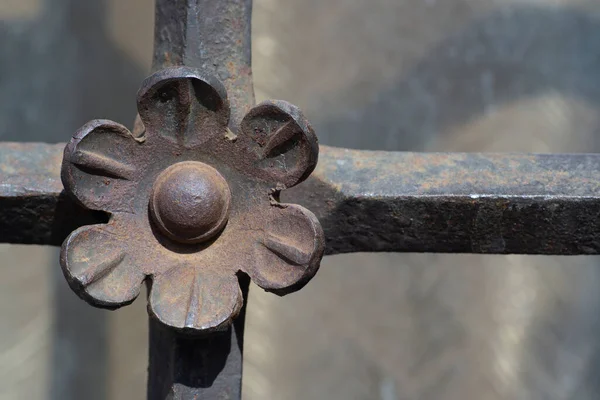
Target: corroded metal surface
[(392, 207), (455, 203), (34, 209), (213, 36), (191, 204), (380, 201)]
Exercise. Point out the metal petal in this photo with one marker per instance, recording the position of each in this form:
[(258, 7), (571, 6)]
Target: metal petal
[(288, 252), (191, 299), (184, 106), (99, 166), (99, 268), (282, 145)]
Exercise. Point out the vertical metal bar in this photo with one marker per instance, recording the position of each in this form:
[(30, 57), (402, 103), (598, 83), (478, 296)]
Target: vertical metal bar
[(211, 35), (214, 36), (208, 367)]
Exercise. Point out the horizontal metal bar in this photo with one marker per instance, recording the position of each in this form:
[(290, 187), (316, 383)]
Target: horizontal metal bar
[(455, 203), (33, 209), (374, 201)]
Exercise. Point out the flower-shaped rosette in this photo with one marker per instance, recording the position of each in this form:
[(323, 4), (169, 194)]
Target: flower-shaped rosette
[(192, 204)]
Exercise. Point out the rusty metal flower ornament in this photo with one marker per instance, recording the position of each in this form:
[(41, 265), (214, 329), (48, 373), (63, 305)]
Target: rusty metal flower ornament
[(191, 203)]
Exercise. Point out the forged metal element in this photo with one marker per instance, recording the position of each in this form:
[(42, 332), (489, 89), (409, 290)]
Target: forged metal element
[(191, 207), (33, 209), (455, 203), (213, 36), (190, 202), (439, 203), (184, 367)]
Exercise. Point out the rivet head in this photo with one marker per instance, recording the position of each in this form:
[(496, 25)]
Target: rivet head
[(190, 202)]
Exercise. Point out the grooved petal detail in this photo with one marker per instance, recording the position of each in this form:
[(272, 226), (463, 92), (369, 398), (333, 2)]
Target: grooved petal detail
[(287, 249), (282, 146), (102, 165), (95, 261), (183, 106), (191, 298), (99, 167), (289, 252)]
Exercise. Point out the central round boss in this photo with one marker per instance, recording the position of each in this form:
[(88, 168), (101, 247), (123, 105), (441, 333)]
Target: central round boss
[(190, 202)]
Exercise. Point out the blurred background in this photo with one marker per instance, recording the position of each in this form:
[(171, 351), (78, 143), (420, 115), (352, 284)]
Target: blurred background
[(421, 75)]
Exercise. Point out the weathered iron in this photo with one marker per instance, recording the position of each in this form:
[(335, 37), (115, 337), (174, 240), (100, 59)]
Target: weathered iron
[(374, 201), (191, 199), (191, 204)]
